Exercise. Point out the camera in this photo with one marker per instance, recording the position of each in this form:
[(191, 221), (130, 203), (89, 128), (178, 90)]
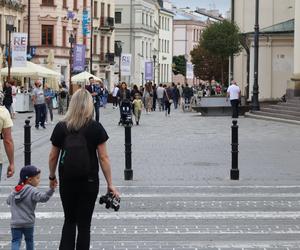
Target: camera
[(110, 201)]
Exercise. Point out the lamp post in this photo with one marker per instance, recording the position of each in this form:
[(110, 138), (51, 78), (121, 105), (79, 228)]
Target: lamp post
[(154, 62), (255, 102), (71, 41), (118, 53), (10, 20)]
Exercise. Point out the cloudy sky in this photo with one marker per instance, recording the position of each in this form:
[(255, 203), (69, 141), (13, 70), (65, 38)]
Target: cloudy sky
[(222, 5)]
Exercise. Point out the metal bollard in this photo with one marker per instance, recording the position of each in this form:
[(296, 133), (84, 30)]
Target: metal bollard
[(128, 173), (27, 142), (234, 173)]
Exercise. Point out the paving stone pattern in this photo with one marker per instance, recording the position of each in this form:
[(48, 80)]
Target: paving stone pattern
[(181, 196)]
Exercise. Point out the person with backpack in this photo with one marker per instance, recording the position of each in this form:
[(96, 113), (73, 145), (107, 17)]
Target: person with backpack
[(62, 99), (78, 146)]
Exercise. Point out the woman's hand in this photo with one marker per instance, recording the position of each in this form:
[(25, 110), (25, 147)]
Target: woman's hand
[(114, 191)]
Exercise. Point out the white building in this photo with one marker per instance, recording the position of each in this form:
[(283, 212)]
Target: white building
[(276, 48), (165, 44), (140, 31)]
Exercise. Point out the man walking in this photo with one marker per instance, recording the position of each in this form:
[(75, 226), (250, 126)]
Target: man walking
[(5, 130), (160, 95), (94, 89), (234, 93), (38, 100)]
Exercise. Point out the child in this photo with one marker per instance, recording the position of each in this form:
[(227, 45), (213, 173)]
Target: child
[(22, 203), (137, 108)]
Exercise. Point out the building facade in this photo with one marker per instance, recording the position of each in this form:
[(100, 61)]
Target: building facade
[(53, 22), (146, 34), (103, 40), (187, 33), (276, 48)]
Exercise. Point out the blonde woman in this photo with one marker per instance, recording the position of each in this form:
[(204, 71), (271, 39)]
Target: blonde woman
[(78, 193)]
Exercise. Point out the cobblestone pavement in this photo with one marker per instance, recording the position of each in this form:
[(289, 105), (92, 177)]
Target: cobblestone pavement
[(181, 196)]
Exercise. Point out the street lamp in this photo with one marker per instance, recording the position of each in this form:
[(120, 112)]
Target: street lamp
[(154, 62), (72, 40), (118, 52), (10, 21), (255, 102)]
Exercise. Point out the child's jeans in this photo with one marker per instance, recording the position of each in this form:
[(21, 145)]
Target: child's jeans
[(17, 234)]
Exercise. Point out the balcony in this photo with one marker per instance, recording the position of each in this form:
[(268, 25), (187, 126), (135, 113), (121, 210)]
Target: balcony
[(107, 23), (107, 58)]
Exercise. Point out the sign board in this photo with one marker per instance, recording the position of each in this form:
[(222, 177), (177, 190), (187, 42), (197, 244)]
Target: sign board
[(19, 50), (189, 71), (86, 21), (148, 71), (79, 58), (126, 64)]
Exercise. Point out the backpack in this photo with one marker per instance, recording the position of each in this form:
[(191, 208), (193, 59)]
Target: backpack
[(63, 94), (75, 158)]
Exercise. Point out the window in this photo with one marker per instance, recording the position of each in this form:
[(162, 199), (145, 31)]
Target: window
[(102, 44), (47, 35), (108, 10), (84, 3), (65, 4), (143, 18), (95, 9), (75, 35), (160, 22), (118, 17), (159, 47), (102, 9), (48, 2), (146, 50), (64, 36), (150, 21), (95, 45), (108, 44), (150, 50), (146, 19), (142, 48), (19, 25), (75, 5)]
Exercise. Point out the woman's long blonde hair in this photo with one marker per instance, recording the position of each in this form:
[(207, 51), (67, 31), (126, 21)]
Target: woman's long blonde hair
[(80, 110)]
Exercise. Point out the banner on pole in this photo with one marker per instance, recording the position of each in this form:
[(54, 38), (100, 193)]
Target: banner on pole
[(189, 71), (126, 64), (19, 50), (86, 23), (79, 58), (148, 71)]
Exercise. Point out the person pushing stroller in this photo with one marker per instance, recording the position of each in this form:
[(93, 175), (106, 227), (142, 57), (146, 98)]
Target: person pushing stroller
[(125, 104)]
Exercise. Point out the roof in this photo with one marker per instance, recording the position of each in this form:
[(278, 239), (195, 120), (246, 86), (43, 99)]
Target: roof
[(283, 27), (181, 15)]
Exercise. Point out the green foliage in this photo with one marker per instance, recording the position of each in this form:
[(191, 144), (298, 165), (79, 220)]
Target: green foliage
[(179, 65), (207, 66), (222, 39)]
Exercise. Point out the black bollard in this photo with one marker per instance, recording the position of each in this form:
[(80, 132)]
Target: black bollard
[(128, 173), (27, 142), (234, 173)]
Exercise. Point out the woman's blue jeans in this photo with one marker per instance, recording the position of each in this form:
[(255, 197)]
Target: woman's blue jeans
[(17, 234)]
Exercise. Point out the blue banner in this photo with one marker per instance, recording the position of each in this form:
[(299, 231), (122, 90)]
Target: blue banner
[(85, 22), (79, 58)]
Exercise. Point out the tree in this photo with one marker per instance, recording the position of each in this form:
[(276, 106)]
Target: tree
[(222, 39), (179, 65), (207, 66)]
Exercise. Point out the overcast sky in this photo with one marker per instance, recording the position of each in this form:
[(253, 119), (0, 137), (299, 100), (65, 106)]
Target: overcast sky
[(222, 5)]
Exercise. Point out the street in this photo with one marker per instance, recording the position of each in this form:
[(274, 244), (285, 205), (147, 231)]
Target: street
[(181, 196)]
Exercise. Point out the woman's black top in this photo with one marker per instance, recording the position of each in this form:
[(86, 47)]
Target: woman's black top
[(94, 134)]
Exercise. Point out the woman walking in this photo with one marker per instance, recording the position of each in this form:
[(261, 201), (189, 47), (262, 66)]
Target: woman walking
[(79, 191), (168, 99), (148, 96)]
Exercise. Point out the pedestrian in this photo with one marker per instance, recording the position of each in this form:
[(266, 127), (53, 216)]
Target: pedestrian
[(22, 202), (176, 95), (95, 92), (154, 97), (160, 95), (79, 181), (14, 99), (234, 94), (134, 91), (148, 96), (168, 100), (38, 100), (5, 130), (104, 94), (62, 99), (49, 95), (137, 108), (8, 99), (114, 96)]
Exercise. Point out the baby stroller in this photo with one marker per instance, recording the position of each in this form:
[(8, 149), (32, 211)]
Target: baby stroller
[(125, 113)]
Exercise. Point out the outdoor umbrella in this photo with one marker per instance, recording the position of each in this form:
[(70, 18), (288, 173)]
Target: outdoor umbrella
[(31, 70), (84, 77)]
